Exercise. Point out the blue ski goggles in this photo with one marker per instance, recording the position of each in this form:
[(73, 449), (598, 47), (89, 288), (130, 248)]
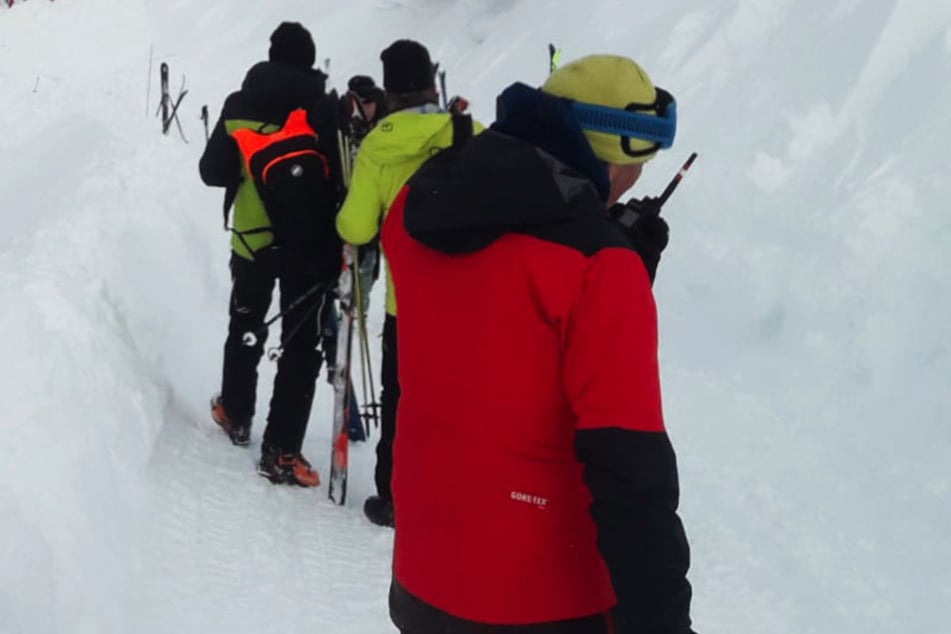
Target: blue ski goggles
[(659, 128)]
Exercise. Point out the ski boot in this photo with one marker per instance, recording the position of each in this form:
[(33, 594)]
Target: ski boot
[(286, 468), (238, 431), (379, 510)]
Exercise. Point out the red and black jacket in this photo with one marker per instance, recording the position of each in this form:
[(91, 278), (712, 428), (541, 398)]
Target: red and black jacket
[(534, 485)]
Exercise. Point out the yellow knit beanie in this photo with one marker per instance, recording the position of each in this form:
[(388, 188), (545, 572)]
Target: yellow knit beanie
[(606, 80)]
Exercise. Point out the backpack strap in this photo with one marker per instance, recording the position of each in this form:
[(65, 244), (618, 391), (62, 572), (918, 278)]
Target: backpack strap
[(231, 192), (461, 128)]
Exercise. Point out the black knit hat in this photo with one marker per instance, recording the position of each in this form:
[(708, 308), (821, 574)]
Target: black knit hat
[(292, 44), (365, 88), (407, 67)]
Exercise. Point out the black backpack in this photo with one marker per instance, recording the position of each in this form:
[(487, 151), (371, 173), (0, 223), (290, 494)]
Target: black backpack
[(292, 176)]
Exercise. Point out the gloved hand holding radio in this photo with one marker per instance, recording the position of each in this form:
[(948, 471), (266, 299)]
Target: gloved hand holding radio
[(641, 222), (648, 233)]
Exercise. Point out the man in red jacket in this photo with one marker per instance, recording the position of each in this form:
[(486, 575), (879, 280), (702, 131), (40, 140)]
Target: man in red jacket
[(534, 486)]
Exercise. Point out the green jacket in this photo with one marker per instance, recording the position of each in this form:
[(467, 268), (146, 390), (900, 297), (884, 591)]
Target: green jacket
[(388, 157), (249, 219)]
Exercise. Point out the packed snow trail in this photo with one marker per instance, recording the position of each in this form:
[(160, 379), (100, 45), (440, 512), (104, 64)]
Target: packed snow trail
[(227, 551)]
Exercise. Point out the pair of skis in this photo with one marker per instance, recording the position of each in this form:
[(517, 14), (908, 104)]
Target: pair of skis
[(168, 107), (351, 299), (350, 296)]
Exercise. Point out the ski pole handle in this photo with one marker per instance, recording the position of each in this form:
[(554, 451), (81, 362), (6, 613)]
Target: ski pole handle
[(458, 105), (442, 90)]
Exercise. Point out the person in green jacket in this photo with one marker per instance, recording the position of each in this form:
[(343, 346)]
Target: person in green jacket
[(414, 129)]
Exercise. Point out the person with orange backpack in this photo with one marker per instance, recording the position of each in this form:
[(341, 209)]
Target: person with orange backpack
[(274, 150)]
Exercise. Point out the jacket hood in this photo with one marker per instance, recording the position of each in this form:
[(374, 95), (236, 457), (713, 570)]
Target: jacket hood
[(547, 122), (464, 198), (406, 134), (533, 169), (282, 87)]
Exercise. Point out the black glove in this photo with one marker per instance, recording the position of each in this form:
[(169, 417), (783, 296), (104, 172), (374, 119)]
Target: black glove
[(647, 232), (369, 260)]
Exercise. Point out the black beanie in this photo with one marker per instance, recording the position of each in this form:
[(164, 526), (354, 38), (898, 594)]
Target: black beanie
[(365, 87), (407, 67), (292, 44)]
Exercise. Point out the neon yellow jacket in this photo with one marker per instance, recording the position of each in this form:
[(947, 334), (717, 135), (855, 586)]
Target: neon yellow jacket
[(249, 214), (388, 156)]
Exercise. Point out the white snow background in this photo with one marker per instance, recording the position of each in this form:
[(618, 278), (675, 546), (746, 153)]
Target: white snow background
[(804, 301)]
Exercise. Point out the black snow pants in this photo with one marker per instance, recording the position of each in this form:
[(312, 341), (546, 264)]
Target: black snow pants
[(300, 360)]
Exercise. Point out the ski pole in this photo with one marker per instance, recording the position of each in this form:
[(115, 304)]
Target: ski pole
[(346, 158), (554, 58), (251, 337), (442, 89), (148, 87), (274, 354), (369, 400), (204, 119), (371, 406), (361, 318)]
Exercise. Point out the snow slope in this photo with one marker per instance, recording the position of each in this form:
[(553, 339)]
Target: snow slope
[(803, 300)]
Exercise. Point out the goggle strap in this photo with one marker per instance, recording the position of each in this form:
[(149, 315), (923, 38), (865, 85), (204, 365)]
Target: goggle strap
[(627, 123)]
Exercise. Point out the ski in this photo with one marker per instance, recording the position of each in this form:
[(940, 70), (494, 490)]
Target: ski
[(343, 386), (349, 295)]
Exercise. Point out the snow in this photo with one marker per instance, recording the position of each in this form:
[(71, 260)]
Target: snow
[(804, 303)]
